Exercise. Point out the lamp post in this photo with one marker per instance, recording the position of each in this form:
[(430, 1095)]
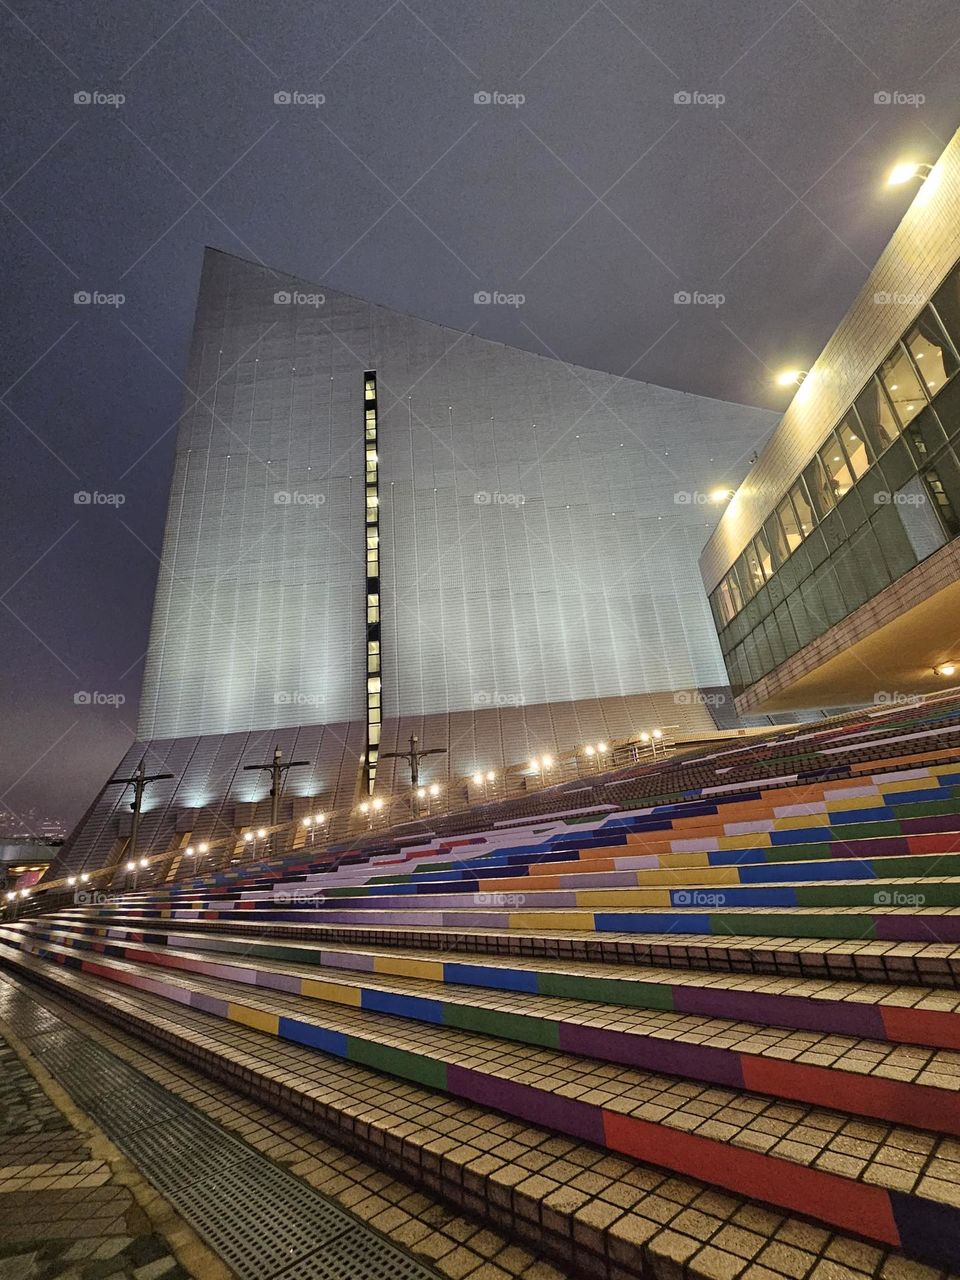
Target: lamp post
[(139, 781), (276, 768)]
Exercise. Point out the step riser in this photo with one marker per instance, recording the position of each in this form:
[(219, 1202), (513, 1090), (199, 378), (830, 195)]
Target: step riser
[(859, 927), (876, 1021), (695, 954)]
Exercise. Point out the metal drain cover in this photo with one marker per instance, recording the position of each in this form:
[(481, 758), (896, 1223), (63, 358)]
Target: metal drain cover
[(262, 1221)]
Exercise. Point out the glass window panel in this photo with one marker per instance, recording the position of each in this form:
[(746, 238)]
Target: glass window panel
[(876, 416), (753, 568), (946, 301), (763, 553), (854, 441), (803, 507), (746, 581), (776, 539), (902, 385), (940, 480), (819, 488), (789, 524), (736, 595), (835, 466), (934, 357), (724, 602)]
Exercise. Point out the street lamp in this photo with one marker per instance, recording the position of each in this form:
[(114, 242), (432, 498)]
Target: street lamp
[(790, 377), (905, 170)]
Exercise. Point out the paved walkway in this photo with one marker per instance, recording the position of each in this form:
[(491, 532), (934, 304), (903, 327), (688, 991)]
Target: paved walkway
[(63, 1211)]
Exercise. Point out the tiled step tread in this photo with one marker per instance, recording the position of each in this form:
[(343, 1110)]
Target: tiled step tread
[(339, 955), (866, 958), (635, 1218), (868, 1151), (935, 1068)]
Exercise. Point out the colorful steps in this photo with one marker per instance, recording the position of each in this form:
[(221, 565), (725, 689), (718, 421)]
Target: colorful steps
[(917, 1086), (739, 1140), (627, 1219), (918, 1016)]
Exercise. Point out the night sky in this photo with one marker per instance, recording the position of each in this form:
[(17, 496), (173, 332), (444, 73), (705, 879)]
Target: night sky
[(598, 197)]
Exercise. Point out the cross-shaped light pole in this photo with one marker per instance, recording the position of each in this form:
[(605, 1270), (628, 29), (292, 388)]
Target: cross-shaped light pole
[(413, 758), (139, 781), (276, 768)]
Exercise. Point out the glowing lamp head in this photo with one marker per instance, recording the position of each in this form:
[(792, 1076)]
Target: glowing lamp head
[(434, 789), (790, 377), (946, 669), (247, 838), (364, 808), (902, 173), (588, 751), (205, 847), (548, 762), (478, 778), (421, 792), (320, 819), (378, 803), (308, 822), (71, 879), (491, 776), (721, 495), (601, 747), (131, 866), (262, 833)]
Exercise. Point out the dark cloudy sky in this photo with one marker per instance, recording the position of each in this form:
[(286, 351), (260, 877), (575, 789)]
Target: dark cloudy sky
[(598, 197)]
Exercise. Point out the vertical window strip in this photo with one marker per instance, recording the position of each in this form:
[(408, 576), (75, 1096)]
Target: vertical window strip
[(372, 554)]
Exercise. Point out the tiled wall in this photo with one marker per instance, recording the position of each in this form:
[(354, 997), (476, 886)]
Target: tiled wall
[(540, 523), (924, 247)]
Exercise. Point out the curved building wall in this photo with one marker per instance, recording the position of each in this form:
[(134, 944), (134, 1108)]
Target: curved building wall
[(540, 523)]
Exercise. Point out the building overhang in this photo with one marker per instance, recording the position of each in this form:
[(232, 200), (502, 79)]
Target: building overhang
[(883, 652)]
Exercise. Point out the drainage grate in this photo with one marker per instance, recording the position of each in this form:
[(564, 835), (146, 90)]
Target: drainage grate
[(262, 1221), (291, 1222), (356, 1255)]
